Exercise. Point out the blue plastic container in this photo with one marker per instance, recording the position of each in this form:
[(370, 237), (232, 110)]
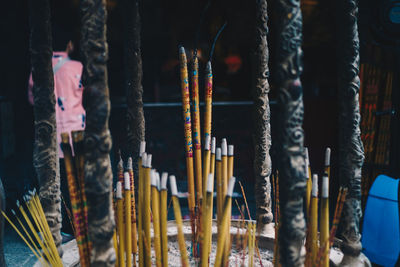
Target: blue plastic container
[(381, 227)]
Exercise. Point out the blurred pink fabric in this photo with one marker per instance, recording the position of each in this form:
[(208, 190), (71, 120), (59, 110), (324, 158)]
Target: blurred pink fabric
[(70, 115)]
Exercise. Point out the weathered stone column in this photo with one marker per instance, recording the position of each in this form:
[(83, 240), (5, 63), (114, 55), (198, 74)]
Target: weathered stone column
[(261, 117), (97, 140), (291, 158), (133, 82), (45, 157), (351, 152)]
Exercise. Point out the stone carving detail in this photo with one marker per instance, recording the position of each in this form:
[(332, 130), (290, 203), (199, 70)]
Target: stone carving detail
[(351, 151), (291, 164), (133, 82), (97, 140), (261, 117), (45, 157)]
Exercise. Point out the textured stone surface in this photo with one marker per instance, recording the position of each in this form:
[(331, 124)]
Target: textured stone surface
[(351, 152), (261, 117), (133, 82), (97, 140), (45, 158), (290, 136)]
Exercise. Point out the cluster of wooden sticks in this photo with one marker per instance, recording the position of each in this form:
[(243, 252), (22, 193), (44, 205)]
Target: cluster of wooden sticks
[(318, 244), (34, 230), (134, 235)]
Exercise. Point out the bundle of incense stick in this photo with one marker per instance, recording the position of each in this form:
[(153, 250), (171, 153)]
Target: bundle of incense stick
[(75, 176), (35, 230)]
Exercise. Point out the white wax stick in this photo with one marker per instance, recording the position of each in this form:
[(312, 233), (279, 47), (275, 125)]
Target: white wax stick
[(118, 193), (230, 150), (314, 190), (127, 181), (164, 179), (213, 144), (231, 186), (218, 155), (224, 147), (172, 184), (325, 186), (210, 183), (142, 148), (327, 156)]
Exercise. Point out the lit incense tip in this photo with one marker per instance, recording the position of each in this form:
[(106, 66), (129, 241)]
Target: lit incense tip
[(207, 143), (127, 181), (231, 186), (327, 156), (218, 155), (118, 193), (213, 143), (172, 184), (224, 147), (314, 190), (164, 179), (210, 183), (230, 150), (142, 148), (325, 186)]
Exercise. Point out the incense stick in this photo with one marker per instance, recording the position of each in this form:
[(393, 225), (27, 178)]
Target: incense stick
[(207, 221), (146, 211), (324, 222), (163, 219), (120, 226), (155, 203), (128, 219), (142, 156), (178, 219)]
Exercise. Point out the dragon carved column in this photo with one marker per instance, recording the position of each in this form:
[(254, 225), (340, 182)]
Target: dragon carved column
[(261, 117), (97, 140), (291, 164)]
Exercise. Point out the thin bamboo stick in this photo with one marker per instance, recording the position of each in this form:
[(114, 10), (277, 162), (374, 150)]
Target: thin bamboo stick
[(76, 201), (324, 222), (207, 222), (230, 161), (155, 204), (142, 158), (219, 259), (163, 219), (208, 100), (133, 210), (188, 135), (178, 219), (206, 161), (309, 184), (128, 219), (220, 196), (212, 163), (146, 211), (224, 170), (314, 220), (120, 225), (196, 128)]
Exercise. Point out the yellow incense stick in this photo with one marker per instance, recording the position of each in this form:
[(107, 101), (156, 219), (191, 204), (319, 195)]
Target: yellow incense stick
[(207, 222), (146, 211), (314, 219), (224, 168), (120, 227), (230, 160), (21, 235), (309, 184), (128, 219), (155, 204), (115, 242), (206, 161), (142, 156), (220, 195), (188, 131), (212, 161), (178, 219), (196, 127), (208, 100), (328, 162), (163, 219), (324, 222), (220, 261), (252, 237), (133, 210)]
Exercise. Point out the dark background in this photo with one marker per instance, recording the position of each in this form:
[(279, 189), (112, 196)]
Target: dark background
[(167, 24)]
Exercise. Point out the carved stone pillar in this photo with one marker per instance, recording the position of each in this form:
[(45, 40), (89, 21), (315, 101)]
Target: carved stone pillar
[(261, 117), (45, 157), (351, 152), (133, 82), (97, 140), (291, 164)]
